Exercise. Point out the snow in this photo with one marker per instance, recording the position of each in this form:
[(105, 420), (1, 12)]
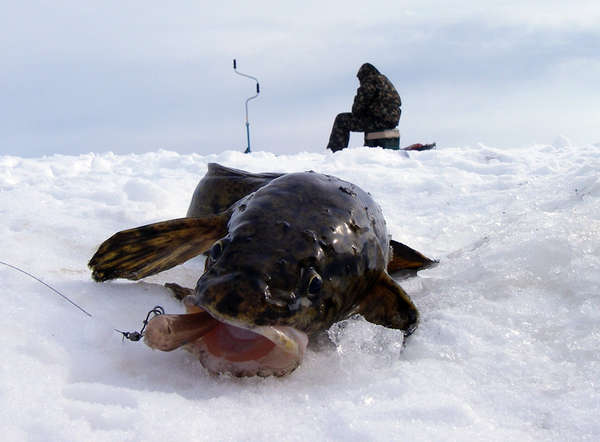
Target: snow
[(507, 348)]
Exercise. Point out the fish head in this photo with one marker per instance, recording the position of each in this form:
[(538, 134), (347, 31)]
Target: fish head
[(289, 266), (294, 258), (300, 254), (264, 299)]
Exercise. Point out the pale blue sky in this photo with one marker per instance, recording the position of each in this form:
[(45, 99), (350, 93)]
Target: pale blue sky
[(136, 76)]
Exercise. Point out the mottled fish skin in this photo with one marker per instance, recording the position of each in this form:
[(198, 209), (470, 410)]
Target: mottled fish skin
[(288, 255), (292, 235)]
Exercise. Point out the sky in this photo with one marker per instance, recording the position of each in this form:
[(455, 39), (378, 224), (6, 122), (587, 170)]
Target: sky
[(133, 76)]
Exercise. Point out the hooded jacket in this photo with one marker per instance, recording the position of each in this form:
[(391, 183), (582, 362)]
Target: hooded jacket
[(376, 99)]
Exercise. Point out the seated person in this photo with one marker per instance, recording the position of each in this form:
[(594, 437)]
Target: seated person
[(376, 107)]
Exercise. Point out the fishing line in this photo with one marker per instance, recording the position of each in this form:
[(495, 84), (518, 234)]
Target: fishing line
[(133, 336), (49, 286)]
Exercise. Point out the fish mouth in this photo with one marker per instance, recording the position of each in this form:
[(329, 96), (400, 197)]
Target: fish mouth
[(225, 346)]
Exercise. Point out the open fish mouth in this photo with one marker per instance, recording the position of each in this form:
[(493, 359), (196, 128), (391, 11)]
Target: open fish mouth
[(223, 346)]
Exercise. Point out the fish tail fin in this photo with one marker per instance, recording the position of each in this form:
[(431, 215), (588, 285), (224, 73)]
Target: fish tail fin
[(146, 250), (405, 258)]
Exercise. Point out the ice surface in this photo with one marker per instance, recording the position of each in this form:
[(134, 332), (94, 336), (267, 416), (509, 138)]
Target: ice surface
[(507, 348)]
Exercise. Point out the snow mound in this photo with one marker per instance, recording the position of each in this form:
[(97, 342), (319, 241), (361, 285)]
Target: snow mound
[(507, 347)]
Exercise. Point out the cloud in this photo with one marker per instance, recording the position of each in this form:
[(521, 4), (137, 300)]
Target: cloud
[(136, 76)]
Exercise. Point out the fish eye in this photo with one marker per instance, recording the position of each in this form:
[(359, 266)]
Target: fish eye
[(314, 284), (216, 250)]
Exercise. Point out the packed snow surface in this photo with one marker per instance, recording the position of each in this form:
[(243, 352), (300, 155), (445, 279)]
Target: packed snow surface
[(507, 348)]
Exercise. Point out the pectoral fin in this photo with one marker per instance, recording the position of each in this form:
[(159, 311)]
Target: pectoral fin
[(389, 305), (143, 251), (178, 291), (403, 257)]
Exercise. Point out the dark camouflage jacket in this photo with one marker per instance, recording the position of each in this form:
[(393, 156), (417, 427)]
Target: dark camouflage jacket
[(376, 99)]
